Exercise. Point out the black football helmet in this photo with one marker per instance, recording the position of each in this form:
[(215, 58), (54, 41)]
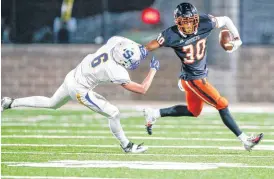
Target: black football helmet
[(186, 18)]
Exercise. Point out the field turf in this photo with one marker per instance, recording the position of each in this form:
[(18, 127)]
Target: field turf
[(79, 144)]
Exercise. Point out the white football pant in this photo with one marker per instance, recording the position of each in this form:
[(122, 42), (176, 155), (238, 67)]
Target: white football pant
[(70, 89)]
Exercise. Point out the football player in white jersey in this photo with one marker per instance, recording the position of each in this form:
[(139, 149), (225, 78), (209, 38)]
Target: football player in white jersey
[(108, 64)]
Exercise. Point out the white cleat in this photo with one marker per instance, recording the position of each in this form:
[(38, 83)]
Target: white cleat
[(133, 148), (5, 103), (149, 119), (252, 141)]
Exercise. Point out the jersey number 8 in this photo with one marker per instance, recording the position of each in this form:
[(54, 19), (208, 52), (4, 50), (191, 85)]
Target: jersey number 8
[(189, 50), (98, 60)]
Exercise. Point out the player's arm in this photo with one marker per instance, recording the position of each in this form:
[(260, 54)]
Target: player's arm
[(224, 21), (152, 45), (157, 43), (144, 86)]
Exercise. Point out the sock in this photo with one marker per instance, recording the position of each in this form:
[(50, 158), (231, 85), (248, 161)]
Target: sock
[(156, 113), (178, 110), (229, 121), (243, 137), (117, 131)]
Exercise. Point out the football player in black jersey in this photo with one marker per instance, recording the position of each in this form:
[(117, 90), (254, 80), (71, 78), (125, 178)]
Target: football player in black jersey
[(188, 39)]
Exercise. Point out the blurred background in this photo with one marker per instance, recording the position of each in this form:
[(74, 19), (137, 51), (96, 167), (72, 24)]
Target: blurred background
[(42, 40)]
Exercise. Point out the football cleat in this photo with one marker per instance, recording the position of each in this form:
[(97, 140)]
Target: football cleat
[(6, 103), (252, 141), (133, 148), (149, 128), (149, 119)]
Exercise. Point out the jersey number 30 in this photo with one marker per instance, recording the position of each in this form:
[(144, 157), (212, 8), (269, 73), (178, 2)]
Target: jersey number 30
[(197, 53), (98, 60)]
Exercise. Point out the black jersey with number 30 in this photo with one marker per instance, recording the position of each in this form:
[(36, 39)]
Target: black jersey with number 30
[(191, 49)]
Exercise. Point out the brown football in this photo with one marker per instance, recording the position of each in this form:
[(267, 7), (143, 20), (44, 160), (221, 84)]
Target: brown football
[(225, 37)]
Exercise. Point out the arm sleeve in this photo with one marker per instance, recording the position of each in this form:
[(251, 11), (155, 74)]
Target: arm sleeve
[(226, 21)]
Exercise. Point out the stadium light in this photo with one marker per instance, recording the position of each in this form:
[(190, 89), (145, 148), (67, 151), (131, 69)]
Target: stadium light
[(150, 16)]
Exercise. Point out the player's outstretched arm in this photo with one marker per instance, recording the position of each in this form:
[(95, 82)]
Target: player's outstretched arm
[(226, 21), (144, 86), (152, 45)]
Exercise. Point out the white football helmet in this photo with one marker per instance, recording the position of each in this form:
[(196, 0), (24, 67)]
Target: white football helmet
[(129, 54)]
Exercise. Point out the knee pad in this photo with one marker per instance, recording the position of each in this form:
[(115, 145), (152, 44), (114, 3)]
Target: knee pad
[(114, 112), (222, 103)]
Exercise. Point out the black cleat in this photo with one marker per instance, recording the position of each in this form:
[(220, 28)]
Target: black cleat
[(149, 129)]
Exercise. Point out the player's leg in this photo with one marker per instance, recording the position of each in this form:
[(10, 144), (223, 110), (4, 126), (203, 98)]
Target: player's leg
[(192, 109), (100, 105), (59, 98), (175, 111), (210, 95)]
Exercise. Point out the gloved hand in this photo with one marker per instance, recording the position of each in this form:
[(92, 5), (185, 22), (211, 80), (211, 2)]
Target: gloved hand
[(144, 52), (154, 63), (236, 44)]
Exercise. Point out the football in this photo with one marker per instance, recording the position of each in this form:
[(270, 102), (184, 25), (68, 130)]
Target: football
[(225, 37)]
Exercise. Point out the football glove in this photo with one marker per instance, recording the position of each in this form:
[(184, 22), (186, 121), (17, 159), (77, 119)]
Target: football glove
[(144, 52), (236, 44), (154, 64)]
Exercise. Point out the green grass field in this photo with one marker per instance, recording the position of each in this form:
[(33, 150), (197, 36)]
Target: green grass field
[(78, 144)]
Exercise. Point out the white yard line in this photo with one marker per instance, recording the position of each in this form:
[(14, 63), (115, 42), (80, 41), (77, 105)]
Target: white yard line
[(209, 126), (52, 177), (29, 119), (146, 165), (140, 105), (57, 145), (131, 137), (84, 117), (259, 147), (142, 154), (69, 131), (91, 119)]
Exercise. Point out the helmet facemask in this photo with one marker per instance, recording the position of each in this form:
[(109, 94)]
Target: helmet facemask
[(187, 25)]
